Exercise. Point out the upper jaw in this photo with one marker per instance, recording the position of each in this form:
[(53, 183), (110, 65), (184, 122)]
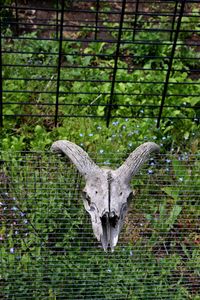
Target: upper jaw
[(110, 230)]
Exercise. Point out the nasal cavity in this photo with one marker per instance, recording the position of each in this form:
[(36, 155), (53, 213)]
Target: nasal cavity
[(113, 219), (110, 218)]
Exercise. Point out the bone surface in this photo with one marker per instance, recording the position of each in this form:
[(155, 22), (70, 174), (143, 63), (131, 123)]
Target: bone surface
[(107, 192)]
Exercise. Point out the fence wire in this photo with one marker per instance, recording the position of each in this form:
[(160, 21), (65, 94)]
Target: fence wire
[(48, 250), (100, 59)]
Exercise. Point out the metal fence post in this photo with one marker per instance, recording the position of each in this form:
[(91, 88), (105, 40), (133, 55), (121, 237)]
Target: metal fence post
[(173, 20), (110, 104), (59, 62), (170, 62), (1, 84), (135, 20), (57, 16)]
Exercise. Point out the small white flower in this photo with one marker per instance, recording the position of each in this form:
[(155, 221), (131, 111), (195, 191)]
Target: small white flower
[(150, 171), (115, 123), (14, 208), (130, 133), (168, 160)]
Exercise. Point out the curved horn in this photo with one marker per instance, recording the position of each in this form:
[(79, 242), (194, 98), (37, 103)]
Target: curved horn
[(135, 160), (78, 157)]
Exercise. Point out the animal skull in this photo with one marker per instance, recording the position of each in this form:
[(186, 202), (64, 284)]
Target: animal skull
[(107, 192)]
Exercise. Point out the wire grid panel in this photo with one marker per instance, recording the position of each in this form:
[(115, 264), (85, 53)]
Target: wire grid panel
[(48, 250), (134, 59)]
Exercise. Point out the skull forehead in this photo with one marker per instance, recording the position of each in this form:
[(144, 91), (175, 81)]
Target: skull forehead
[(96, 182), (119, 193), (102, 182), (119, 186)]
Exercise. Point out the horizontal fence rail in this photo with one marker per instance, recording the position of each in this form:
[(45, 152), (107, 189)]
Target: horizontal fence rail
[(101, 59), (47, 248)]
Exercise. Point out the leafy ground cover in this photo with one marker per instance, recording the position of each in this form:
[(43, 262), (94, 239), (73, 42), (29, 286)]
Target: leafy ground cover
[(45, 233), (138, 92)]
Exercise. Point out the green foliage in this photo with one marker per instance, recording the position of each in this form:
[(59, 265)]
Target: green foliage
[(180, 124), (56, 247), (55, 244)]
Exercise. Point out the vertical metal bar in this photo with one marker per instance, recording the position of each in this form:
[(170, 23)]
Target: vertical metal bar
[(59, 61), (1, 87), (110, 104), (135, 20), (170, 62), (173, 20), (16, 18), (1, 80), (57, 19), (96, 19)]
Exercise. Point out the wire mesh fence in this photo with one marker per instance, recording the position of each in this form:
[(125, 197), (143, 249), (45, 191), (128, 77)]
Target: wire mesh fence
[(48, 250), (101, 59), (65, 61)]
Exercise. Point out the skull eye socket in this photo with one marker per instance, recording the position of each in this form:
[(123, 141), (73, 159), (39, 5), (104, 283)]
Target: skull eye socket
[(87, 197), (130, 197)]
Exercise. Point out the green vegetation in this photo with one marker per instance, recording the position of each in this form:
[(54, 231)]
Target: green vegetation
[(47, 247), (137, 91), (46, 234)]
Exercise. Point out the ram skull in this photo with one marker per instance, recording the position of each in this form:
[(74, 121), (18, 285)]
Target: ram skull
[(107, 192)]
